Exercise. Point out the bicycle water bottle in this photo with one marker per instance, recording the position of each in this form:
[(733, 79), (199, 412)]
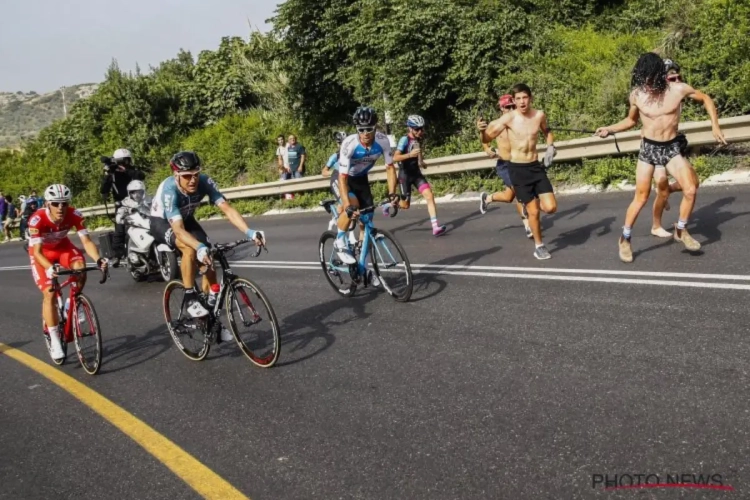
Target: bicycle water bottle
[(212, 295), (65, 309)]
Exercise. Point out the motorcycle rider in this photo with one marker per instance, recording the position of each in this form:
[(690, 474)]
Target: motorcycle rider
[(31, 206), (119, 171), (136, 200)]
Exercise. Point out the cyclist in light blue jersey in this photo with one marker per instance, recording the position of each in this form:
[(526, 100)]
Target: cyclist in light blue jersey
[(358, 155), (173, 223)]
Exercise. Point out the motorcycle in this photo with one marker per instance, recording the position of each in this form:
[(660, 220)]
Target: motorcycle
[(143, 257)]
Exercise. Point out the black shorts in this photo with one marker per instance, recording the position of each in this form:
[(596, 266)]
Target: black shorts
[(501, 168), (408, 177), (529, 180), (163, 232), (359, 188), (660, 153)]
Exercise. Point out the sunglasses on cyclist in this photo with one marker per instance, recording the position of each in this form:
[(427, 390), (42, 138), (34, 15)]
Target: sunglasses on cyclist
[(510, 107), (190, 176), (674, 78), (59, 204), (417, 129), (365, 130)]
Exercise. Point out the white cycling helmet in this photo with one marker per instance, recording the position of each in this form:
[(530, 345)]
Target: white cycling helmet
[(136, 190), (415, 121), (121, 153), (57, 192)]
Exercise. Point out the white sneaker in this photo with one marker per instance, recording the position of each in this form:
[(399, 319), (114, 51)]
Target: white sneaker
[(81, 316), (226, 335), (372, 278), (343, 252), (197, 310), (55, 348)]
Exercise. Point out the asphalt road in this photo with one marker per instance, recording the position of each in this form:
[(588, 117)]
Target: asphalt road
[(503, 377)]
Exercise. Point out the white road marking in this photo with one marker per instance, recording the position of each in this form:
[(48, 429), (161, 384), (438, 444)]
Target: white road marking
[(509, 272)]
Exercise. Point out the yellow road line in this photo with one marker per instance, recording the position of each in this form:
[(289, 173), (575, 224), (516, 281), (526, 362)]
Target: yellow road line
[(202, 479)]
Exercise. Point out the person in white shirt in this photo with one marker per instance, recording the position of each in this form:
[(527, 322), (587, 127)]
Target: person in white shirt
[(282, 156)]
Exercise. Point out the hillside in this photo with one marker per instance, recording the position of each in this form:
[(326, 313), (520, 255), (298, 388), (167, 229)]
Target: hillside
[(23, 115)]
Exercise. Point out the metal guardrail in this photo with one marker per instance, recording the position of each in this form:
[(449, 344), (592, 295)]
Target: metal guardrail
[(735, 129)]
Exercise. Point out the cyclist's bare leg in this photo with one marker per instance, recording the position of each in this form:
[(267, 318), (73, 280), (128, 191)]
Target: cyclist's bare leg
[(343, 222), (79, 264), (188, 264), (49, 309)]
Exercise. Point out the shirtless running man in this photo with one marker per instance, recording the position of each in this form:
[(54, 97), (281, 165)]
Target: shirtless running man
[(663, 187), (529, 177), (502, 153), (658, 103)]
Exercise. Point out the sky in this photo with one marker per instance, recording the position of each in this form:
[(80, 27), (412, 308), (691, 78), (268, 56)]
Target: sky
[(45, 44)]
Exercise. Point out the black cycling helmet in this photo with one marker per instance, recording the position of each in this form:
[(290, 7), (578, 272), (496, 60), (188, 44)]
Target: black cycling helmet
[(185, 161), (339, 136), (365, 116)]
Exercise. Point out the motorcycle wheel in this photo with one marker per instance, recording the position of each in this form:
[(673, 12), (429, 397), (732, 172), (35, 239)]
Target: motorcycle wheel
[(169, 269)]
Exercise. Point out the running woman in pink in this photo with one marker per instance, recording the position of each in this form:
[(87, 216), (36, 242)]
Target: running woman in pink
[(408, 154)]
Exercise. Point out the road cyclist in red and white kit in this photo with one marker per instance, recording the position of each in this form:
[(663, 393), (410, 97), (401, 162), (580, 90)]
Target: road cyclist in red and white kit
[(49, 245)]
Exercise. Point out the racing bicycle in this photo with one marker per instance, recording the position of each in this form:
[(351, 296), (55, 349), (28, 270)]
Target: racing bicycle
[(387, 257), (78, 323), (241, 299)]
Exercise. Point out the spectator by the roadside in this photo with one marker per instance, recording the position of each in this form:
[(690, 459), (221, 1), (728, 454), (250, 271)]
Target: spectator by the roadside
[(282, 158), (10, 216), (297, 156), (2, 209)]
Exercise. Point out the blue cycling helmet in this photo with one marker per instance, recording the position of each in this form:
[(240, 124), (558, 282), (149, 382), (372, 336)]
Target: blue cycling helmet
[(415, 121)]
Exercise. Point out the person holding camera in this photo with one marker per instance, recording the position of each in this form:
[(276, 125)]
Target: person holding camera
[(119, 171)]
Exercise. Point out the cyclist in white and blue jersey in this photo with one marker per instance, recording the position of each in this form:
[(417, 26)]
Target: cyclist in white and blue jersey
[(173, 222), (358, 155)]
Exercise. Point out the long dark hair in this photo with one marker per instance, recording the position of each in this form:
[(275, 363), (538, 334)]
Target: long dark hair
[(649, 74)]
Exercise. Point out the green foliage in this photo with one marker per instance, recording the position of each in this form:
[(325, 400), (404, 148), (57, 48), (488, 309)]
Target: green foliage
[(714, 50), (447, 60)]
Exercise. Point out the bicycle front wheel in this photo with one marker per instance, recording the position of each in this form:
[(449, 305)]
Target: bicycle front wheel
[(337, 273), (190, 335), (253, 322), (391, 265), (87, 335)]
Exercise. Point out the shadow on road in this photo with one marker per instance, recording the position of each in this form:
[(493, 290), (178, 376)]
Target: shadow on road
[(582, 234), (308, 332), (707, 219), (703, 222), (134, 349)]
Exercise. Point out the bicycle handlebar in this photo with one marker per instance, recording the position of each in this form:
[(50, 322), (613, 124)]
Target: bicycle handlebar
[(70, 272), (225, 247)]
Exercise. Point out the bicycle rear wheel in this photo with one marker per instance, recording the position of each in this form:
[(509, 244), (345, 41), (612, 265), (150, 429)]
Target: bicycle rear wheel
[(256, 332), (87, 336), (391, 265), (189, 335), (336, 272)]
